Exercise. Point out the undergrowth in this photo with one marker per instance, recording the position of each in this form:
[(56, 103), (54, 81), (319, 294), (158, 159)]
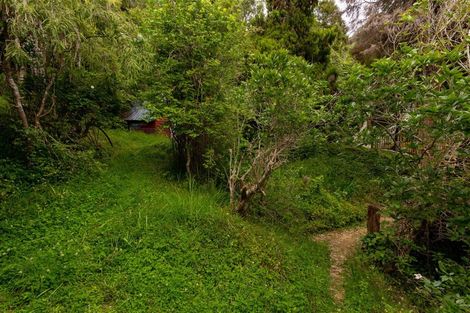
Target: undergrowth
[(129, 240), (33, 158), (132, 238), (328, 188), (369, 290)]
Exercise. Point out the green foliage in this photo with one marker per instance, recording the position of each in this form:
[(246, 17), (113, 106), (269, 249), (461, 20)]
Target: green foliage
[(48, 161), (328, 189), (272, 111), (416, 104), (196, 53), (369, 290), (280, 97), (423, 86), (4, 105), (128, 240), (72, 64), (445, 289), (450, 292), (241, 84), (302, 204), (93, 100), (294, 26), (67, 65)]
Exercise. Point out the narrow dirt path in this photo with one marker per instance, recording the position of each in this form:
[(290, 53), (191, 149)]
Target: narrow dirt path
[(342, 244)]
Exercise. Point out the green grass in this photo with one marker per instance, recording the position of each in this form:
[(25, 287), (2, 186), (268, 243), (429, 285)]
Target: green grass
[(330, 189), (368, 290), (131, 238), (128, 239)]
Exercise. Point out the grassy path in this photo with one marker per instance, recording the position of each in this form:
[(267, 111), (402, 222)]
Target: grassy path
[(130, 240), (342, 245)]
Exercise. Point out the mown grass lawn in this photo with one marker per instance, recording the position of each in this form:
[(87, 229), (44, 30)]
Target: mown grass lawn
[(128, 239)]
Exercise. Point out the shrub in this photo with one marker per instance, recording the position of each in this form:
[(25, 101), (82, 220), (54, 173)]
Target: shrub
[(37, 158), (327, 188)]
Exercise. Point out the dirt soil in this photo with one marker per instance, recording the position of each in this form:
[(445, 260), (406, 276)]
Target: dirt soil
[(342, 244)]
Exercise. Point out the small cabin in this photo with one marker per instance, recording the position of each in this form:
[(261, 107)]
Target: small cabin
[(139, 118)]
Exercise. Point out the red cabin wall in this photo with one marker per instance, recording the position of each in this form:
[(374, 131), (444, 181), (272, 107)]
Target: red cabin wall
[(153, 127)]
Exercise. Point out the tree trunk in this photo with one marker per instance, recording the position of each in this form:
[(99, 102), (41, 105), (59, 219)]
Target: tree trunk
[(242, 207), (243, 202), (16, 93), (41, 112), (396, 139), (188, 160), (373, 219)]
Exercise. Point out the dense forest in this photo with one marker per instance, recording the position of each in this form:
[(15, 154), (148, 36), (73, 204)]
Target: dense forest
[(282, 126)]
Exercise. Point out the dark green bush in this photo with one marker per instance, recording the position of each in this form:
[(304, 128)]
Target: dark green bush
[(446, 288), (327, 187), (415, 105), (34, 157)]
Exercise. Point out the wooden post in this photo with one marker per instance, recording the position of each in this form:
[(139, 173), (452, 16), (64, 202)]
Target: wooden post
[(373, 219)]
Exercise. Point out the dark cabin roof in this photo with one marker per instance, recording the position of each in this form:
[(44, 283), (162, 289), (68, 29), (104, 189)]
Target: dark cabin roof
[(138, 113)]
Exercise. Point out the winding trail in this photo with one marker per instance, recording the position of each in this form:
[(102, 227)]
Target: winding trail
[(342, 244)]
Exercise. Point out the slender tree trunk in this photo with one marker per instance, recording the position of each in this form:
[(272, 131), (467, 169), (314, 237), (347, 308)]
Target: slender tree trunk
[(16, 93), (18, 104), (41, 112), (188, 160), (233, 176), (396, 139), (8, 70)]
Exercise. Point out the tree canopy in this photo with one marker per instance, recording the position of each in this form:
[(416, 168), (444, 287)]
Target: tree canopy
[(245, 87)]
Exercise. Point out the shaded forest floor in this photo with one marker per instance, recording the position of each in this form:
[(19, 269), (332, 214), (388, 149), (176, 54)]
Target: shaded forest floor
[(133, 239)]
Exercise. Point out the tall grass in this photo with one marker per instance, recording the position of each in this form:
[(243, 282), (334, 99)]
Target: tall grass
[(129, 239)]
